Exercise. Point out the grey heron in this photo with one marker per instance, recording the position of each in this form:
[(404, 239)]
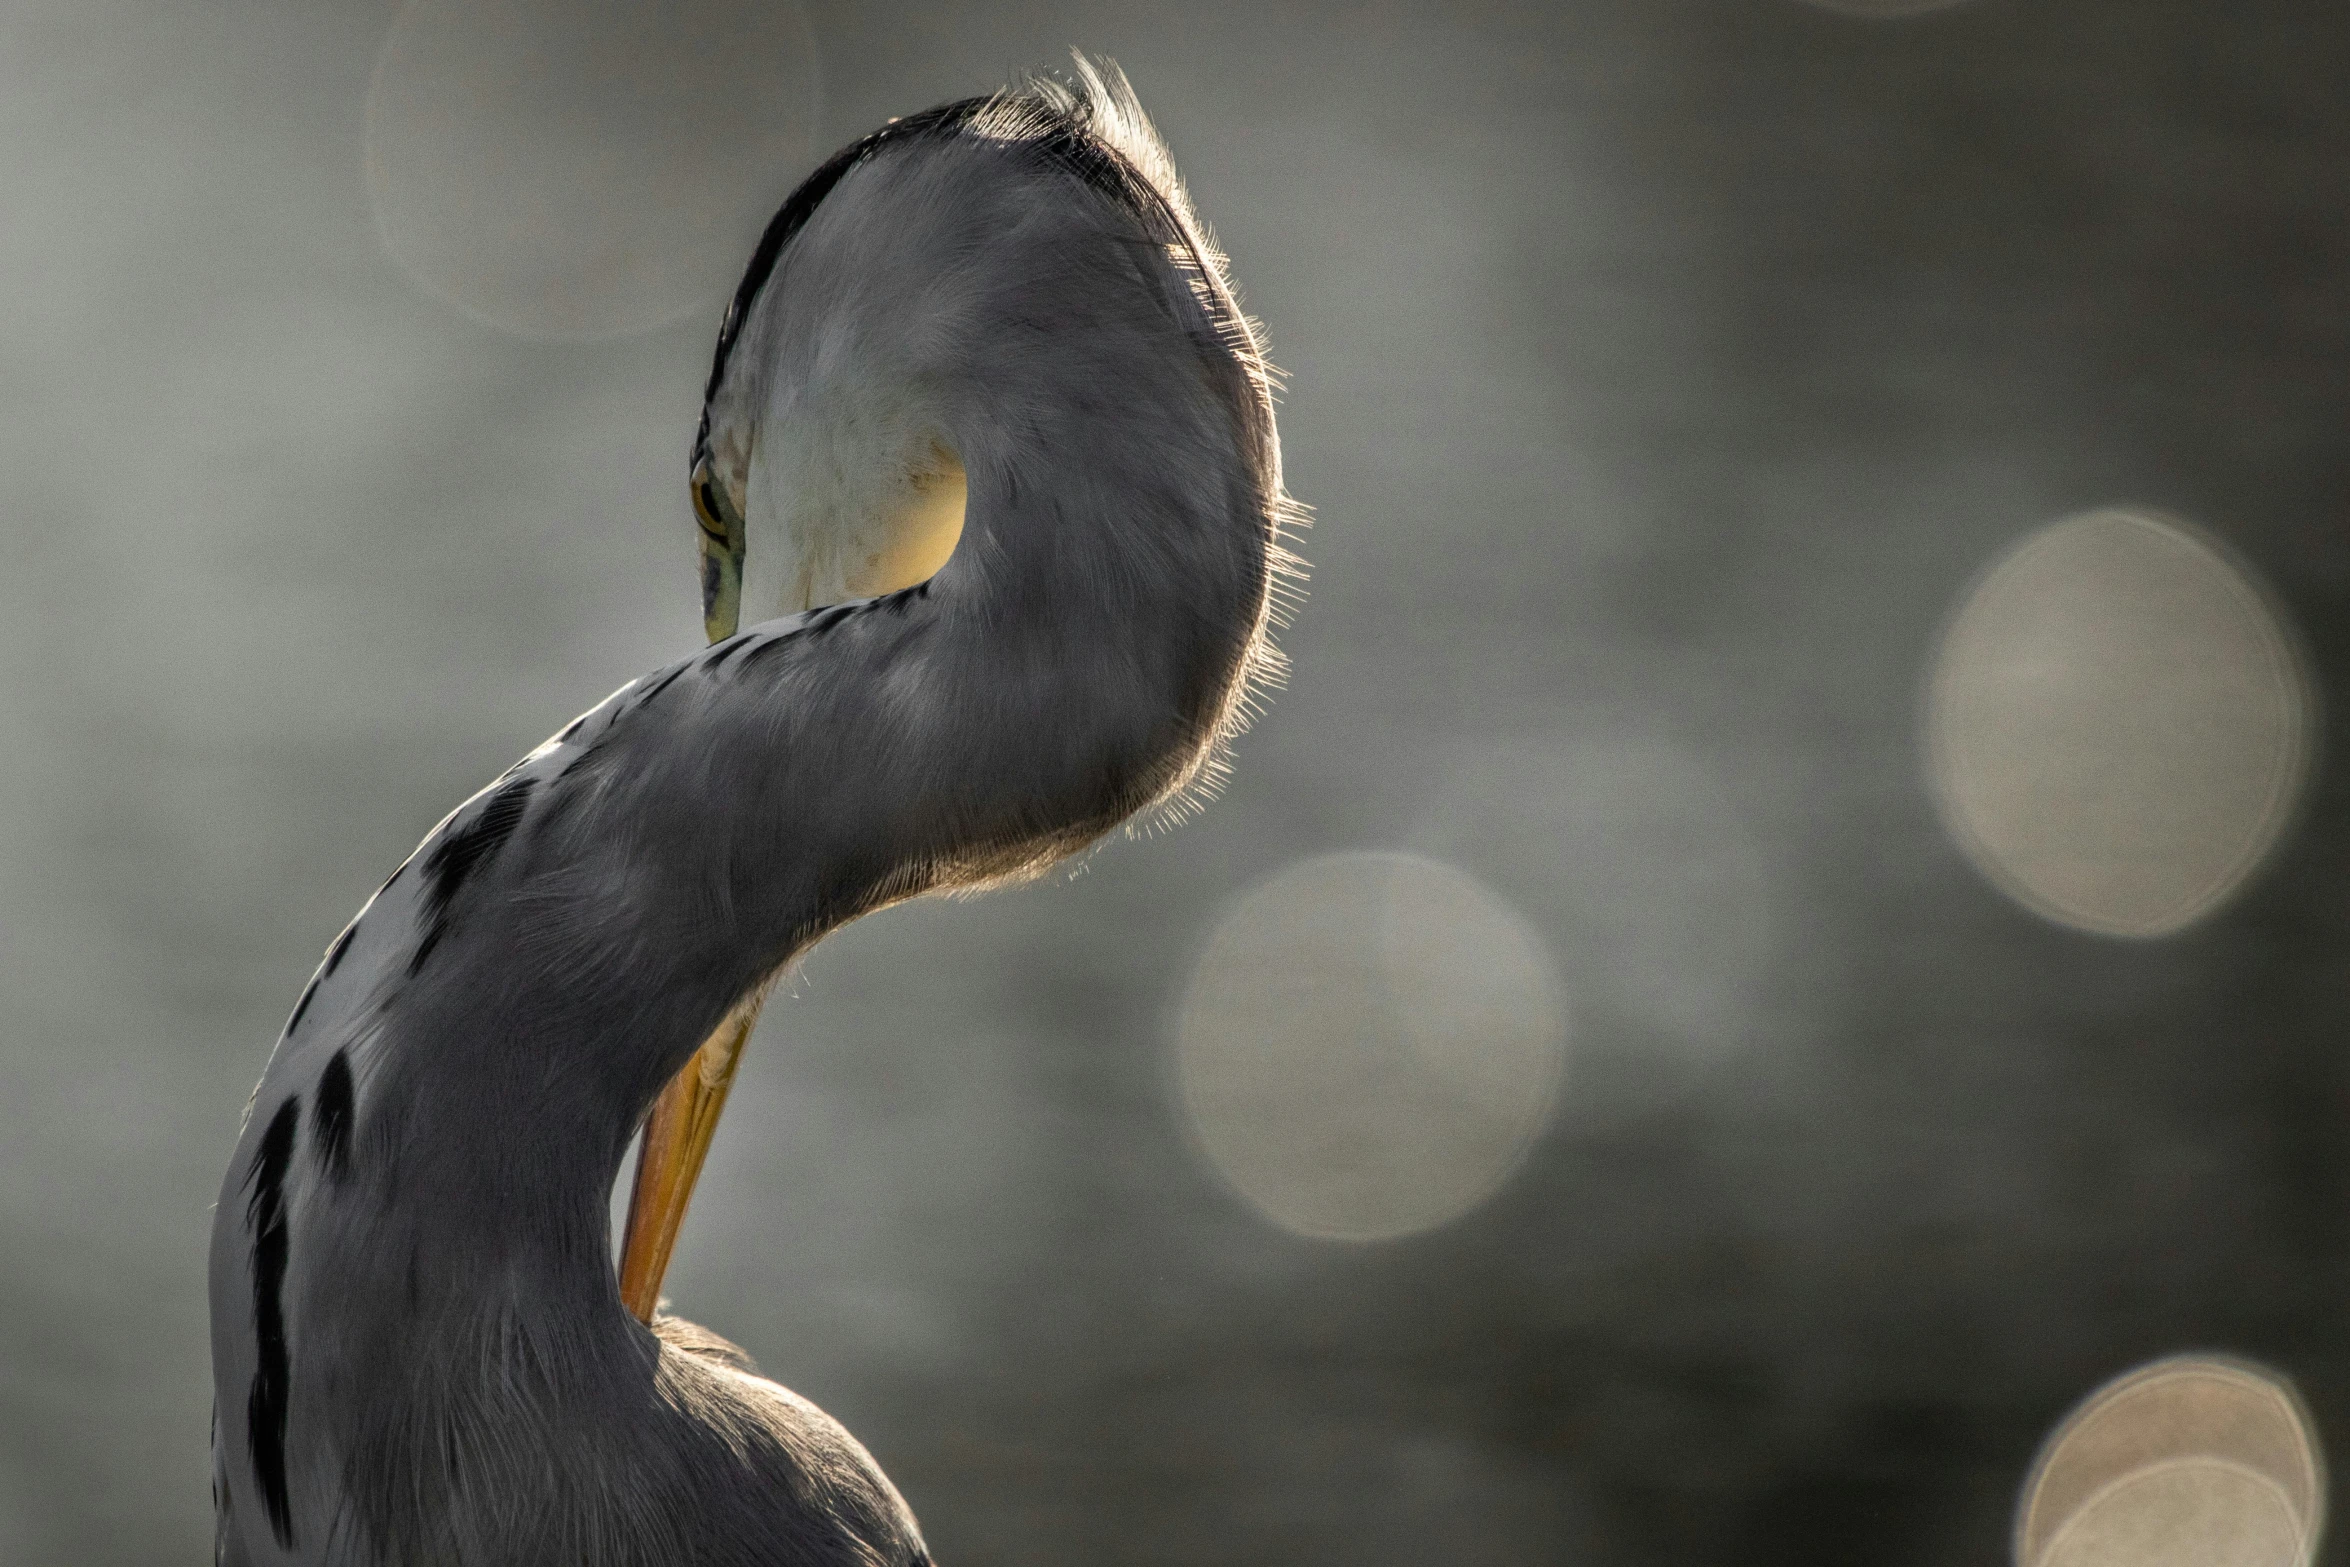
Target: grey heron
[(988, 455)]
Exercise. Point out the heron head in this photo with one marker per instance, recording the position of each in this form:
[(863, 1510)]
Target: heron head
[(815, 493)]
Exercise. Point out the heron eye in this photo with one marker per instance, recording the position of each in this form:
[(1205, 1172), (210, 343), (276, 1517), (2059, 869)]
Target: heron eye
[(706, 514), (714, 509)]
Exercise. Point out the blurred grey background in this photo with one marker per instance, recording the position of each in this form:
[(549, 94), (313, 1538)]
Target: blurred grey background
[(1662, 372)]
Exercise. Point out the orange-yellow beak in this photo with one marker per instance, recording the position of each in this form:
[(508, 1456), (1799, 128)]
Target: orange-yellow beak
[(669, 1161)]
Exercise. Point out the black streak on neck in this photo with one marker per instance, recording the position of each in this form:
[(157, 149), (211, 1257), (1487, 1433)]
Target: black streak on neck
[(336, 1103), (465, 850), (265, 1412), (334, 958), (725, 650), (334, 954), (309, 992), (657, 687)]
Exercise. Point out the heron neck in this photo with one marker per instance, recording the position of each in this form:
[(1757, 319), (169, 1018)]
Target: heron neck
[(701, 829)]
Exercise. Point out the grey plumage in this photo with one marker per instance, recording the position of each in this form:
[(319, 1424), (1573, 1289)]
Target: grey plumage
[(419, 1354)]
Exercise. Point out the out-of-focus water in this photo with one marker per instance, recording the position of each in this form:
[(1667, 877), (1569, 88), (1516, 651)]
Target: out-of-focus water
[(1665, 377)]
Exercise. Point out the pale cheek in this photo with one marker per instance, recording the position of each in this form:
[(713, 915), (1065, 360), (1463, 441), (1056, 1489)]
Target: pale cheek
[(775, 565), (916, 540)]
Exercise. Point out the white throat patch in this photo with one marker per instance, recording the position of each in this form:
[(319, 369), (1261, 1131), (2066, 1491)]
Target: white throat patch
[(860, 501)]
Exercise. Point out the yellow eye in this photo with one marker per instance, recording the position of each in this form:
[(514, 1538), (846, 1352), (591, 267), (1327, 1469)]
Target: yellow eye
[(706, 511)]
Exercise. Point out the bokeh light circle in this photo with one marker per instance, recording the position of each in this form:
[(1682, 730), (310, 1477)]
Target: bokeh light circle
[(2191, 1512), (2194, 1459), (1369, 1045), (581, 169), (2118, 724)]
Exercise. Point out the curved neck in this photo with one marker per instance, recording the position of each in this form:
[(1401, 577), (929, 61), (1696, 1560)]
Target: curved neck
[(411, 1268), (696, 832)]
